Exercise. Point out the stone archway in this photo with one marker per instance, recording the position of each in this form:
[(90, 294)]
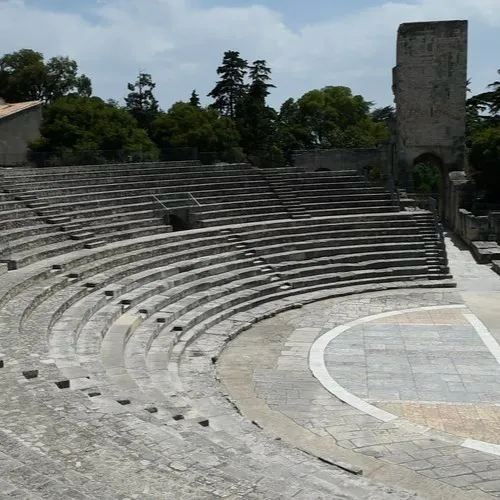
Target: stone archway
[(430, 178)]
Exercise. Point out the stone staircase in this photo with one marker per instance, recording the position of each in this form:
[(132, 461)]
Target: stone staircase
[(434, 242), (280, 185)]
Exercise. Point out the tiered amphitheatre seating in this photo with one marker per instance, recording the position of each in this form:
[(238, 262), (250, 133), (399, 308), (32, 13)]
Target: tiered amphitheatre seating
[(324, 193), (50, 211), (99, 333)]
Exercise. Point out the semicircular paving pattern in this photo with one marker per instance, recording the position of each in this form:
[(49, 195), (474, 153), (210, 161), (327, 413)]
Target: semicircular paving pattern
[(437, 367), (268, 375)]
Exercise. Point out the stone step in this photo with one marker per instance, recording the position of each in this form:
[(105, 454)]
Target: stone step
[(37, 204), (94, 244), (71, 227), (25, 197), (48, 212), (300, 216), (58, 220), (81, 235)]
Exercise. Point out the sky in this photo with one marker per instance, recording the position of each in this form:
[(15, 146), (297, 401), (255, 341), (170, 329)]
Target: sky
[(308, 44)]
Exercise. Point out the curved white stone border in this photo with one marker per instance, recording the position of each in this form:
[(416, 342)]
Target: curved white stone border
[(485, 335), (318, 368)]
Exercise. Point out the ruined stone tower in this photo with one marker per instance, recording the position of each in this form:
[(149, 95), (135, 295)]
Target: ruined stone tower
[(429, 85)]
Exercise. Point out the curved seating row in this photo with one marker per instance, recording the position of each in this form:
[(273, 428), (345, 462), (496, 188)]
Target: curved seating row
[(44, 211)]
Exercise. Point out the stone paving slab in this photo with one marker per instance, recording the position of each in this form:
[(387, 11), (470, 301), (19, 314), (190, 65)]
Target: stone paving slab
[(283, 385), (407, 361)]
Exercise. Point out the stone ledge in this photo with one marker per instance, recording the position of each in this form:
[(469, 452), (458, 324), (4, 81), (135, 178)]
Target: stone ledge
[(485, 251)]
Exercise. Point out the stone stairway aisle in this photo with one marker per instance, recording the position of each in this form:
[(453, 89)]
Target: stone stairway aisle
[(61, 222), (435, 250), (3, 197), (281, 187)]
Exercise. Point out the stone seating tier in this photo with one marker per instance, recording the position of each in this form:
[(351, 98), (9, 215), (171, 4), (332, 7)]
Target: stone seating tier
[(83, 203), (99, 168)]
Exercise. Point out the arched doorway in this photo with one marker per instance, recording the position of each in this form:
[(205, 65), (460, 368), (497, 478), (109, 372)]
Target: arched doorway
[(428, 178)]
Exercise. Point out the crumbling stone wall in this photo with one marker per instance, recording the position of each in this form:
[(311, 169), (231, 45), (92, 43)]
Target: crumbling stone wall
[(342, 159), (429, 85)]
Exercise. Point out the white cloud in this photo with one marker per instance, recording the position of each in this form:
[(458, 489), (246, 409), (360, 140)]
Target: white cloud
[(181, 44)]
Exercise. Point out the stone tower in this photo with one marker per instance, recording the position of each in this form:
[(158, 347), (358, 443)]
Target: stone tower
[(429, 85)]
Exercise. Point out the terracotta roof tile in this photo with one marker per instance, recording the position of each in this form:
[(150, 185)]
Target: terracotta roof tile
[(12, 108)]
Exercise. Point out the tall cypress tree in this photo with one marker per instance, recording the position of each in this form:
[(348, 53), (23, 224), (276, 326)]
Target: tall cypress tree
[(141, 101), (230, 88), (257, 121), (194, 100)]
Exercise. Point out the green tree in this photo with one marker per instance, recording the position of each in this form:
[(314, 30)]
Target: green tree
[(484, 159), (333, 118), (292, 133), (256, 121), (25, 76), (141, 102), (384, 114), (76, 127), (194, 100), (260, 76), (185, 125), (490, 100), (231, 87), (426, 178)]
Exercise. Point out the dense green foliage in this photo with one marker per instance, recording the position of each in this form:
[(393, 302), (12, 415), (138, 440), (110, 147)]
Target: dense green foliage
[(483, 130), (74, 125), (25, 76), (426, 178), (185, 125), (237, 125)]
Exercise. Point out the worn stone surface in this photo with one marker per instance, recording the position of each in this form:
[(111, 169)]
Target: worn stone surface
[(265, 383), (281, 380)]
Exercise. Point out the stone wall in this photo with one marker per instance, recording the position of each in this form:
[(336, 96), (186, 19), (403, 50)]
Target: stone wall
[(16, 131), (343, 159), (429, 85)]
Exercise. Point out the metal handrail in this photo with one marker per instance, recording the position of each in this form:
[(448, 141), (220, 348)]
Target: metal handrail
[(195, 200), (160, 202)]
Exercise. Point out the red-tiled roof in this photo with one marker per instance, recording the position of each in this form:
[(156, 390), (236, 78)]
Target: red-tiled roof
[(12, 108)]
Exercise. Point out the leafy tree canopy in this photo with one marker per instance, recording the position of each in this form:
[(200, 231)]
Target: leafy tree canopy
[(331, 118), (76, 123), (25, 76), (185, 125), (383, 114), (484, 158)]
